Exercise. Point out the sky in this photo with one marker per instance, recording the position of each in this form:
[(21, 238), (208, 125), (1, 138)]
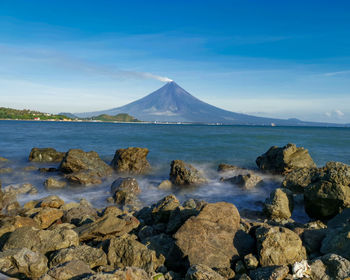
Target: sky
[(285, 59)]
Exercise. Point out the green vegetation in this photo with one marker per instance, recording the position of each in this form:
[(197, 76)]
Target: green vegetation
[(116, 118), (13, 114)]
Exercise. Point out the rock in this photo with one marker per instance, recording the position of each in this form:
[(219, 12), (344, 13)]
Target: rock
[(283, 160), (163, 208), (45, 155), (54, 183), (337, 241), (278, 246), (107, 225), (270, 273), (209, 237), (74, 269), (223, 167), (202, 272), (298, 179), (251, 262), (84, 178), (47, 216), (178, 216), (128, 273), (23, 263), (125, 190), (329, 192), (80, 215), (30, 168), (165, 185), (125, 251), (183, 174), (6, 170), (240, 267), (248, 181), (19, 189), (330, 267), (226, 272), (312, 240), (280, 204), (47, 169), (76, 160), (244, 276), (51, 201), (94, 257), (131, 161), (42, 241), (11, 223)]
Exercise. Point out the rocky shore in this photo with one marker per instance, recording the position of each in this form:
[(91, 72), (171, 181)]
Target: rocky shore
[(50, 239)]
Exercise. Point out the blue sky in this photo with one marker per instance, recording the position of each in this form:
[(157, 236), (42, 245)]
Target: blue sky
[(267, 58)]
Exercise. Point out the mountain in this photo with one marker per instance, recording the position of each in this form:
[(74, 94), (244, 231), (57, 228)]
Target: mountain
[(171, 103)]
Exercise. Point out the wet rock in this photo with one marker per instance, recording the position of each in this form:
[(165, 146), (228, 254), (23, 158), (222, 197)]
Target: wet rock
[(107, 225), (183, 174), (298, 179), (223, 167), (48, 169), (251, 262), (269, 272), (6, 170), (47, 216), (126, 251), (94, 257), (84, 178), (337, 241), (76, 160), (209, 237), (54, 183), (30, 168), (163, 208), (45, 155), (131, 161), (19, 189), (125, 190), (80, 215), (74, 269), (41, 240), (51, 201), (23, 263), (279, 246), (329, 193), (202, 272), (283, 160), (165, 185), (248, 181), (280, 204)]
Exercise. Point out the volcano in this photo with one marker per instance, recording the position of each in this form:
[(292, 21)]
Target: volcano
[(171, 103)]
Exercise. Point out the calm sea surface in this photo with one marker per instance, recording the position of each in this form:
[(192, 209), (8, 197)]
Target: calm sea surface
[(203, 146)]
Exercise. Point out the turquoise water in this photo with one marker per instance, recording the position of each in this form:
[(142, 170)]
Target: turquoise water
[(202, 145)]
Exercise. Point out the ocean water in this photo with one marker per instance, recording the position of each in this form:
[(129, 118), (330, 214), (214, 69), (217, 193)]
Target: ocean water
[(201, 145)]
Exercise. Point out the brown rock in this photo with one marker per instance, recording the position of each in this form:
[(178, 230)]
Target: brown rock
[(45, 155), (270, 273), (51, 201), (125, 190), (163, 208), (280, 204), (202, 272), (131, 161), (47, 216), (183, 174), (54, 183), (73, 269), (84, 178), (248, 181)]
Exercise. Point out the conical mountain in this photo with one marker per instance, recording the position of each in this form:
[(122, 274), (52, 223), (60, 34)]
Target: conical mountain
[(171, 103)]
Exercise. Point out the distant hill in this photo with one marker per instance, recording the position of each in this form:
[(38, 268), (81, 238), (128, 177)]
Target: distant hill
[(69, 115), (117, 118), (14, 114), (171, 103)]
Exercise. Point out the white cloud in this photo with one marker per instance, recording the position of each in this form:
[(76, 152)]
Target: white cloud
[(339, 113)]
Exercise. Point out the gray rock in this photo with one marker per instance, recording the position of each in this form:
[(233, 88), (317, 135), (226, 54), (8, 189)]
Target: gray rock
[(131, 161), (337, 241), (80, 215), (280, 204), (125, 191), (340, 220), (270, 273), (162, 209), (184, 174), (298, 179), (69, 270), (312, 240), (330, 267), (45, 155), (248, 181), (202, 272)]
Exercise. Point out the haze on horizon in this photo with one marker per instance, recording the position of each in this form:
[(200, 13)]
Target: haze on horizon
[(280, 59)]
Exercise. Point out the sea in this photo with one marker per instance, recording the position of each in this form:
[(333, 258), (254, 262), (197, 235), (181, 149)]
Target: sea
[(203, 146)]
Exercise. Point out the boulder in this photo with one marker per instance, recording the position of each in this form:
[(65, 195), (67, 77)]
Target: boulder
[(19, 189), (202, 272), (283, 160), (162, 209), (330, 267), (178, 217), (94, 257), (45, 155), (9, 224), (51, 201), (128, 273), (126, 251), (23, 263), (184, 174), (278, 246), (48, 169), (131, 161), (6, 170), (53, 183), (248, 181), (223, 167), (280, 204), (298, 179), (47, 216), (165, 185), (1, 197), (86, 177), (125, 190), (74, 269), (208, 238), (42, 241), (270, 273), (76, 160), (337, 241), (80, 215)]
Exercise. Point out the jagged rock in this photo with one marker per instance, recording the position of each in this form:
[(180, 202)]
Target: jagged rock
[(86, 177), (45, 155), (9, 224), (248, 181), (202, 272), (337, 241), (53, 183), (270, 273), (1, 197), (329, 192), (284, 160), (85, 164), (128, 273), (165, 185), (125, 191), (278, 246), (297, 180), (92, 256), (80, 215), (223, 167), (280, 204), (47, 216), (208, 238), (23, 263), (251, 262), (183, 174), (178, 216), (74, 269), (107, 225), (163, 208), (330, 267), (126, 251), (131, 161), (41, 240), (51, 201)]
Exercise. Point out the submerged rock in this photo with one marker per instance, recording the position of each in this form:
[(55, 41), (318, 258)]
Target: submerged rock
[(283, 160), (54, 183), (6, 170), (248, 181), (182, 174), (125, 190), (131, 161), (45, 155), (84, 178), (202, 272), (280, 204), (165, 185), (223, 167)]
